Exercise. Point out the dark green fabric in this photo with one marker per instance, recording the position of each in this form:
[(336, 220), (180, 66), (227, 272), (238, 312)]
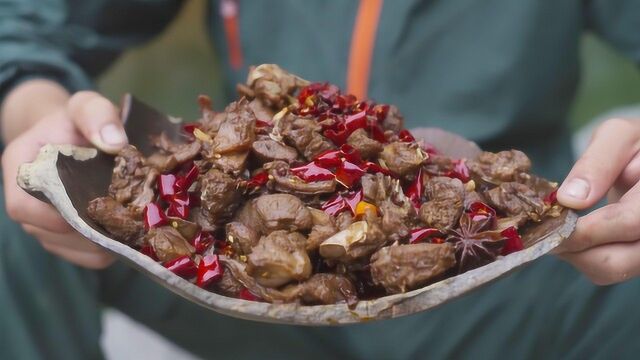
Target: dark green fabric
[(502, 72), (50, 310)]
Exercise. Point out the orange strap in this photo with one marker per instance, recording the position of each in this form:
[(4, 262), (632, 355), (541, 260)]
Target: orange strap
[(362, 43), (229, 13)]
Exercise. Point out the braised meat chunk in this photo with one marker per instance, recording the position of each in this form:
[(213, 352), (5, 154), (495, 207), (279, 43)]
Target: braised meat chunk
[(323, 227), (219, 196), (132, 181), (406, 267), (272, 85), (300, 193), (304, 135), (237, 132), (366, 146), (168, 243), (242, 237), (322, 289), (269, 150), (403, 158), (446, 202), (515, 199), (285, 182), (279, 258), (496, 168), (281, 212), (119, 221)]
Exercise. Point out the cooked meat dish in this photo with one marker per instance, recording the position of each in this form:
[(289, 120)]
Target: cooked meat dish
[(297, 192)]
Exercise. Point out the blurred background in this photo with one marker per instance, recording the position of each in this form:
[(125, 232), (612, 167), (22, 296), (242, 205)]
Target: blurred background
[(180, 64)]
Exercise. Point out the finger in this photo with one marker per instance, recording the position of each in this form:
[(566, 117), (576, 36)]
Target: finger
[(617, 222), (98, 120), (607, 264), (22, 207), (630, 175), (71, 240), (88, 260), (613, 145)]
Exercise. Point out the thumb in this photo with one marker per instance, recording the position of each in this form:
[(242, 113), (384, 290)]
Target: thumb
[(98, 120), (612, 147)]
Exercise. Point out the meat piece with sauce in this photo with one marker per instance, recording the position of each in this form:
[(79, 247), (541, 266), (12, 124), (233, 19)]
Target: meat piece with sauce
[(219, 195), (132, 181), (242, 237), (446, 202), (366, 146), (406, 267), (279, 258), (402, 158), (168, 243), (237, 131), (496, 168), (304, 135), (118, 220), (267, 150), (283, 181), (515, 199)]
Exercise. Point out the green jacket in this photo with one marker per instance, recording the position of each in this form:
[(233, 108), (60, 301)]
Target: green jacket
[(502, 72)]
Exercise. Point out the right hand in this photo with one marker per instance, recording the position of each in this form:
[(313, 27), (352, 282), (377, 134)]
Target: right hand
[(86, 118)]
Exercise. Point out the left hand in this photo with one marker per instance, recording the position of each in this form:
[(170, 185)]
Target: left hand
[(606, 243)]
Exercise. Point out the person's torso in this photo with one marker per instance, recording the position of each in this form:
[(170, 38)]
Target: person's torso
[(501, 72)]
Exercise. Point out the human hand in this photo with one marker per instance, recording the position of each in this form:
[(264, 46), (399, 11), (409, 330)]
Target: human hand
[(85, 118), (606, 243)]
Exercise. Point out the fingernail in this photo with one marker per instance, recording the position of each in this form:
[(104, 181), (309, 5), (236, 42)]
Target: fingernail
[(576, 188), (112, 135)]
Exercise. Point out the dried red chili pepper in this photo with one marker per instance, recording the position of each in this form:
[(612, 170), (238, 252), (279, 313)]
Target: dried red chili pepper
[(262, 124), (352, 199), (375, 168), (245, 294), (338, 136), (438, 240), (460, 171), (181, 198), (178, 210), (148, 250), (182, 266), (258, 179), (202, 241), (222, 247), (312, 172), (209, 271), (335, 205), (375, 132), (189, 128), (415, 190), (153, 216), (480, 211), (551, 198), (166, 185), (183, 183), (513, 242), (348, 173), (350, 154), (329, 159), (380, 111), (356, 121), (419, 235), (405, 136)]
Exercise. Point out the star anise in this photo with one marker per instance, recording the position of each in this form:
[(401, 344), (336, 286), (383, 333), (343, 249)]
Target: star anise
[(475, 242)]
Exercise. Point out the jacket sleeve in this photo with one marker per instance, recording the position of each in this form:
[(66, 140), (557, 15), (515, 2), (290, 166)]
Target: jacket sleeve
[(617, 22), (71, 41)]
